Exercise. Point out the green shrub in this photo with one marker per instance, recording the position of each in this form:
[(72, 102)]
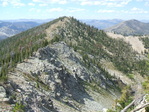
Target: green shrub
[(18, 108), (131, 76)]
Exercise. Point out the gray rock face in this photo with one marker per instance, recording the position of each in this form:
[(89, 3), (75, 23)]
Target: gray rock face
[(53, 80), (2, 92)]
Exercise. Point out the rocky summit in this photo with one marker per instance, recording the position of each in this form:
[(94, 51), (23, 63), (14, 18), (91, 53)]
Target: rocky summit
[(68, 66)]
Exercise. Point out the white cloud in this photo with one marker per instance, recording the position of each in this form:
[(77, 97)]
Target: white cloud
[(86, 3), (37, 0), (124, 11), (42, 5), (51, 1), (141, 0), (69, 10), (75, 10), (146, 3), (110, 3), (4, 4), (34, 10), (135, 9), (31, 4), (106, 11), (131, 11), (16, 3), (138, 10), (55, 10)]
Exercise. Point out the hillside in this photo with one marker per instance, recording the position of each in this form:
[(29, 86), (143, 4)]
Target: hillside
[(8, 29), (130, 27), (65, 65)]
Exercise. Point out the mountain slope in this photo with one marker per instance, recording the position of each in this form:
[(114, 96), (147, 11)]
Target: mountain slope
[(59, 66), (8, 29), (131, 27)]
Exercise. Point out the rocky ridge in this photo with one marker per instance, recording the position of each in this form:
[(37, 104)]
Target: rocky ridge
[(47, 82)]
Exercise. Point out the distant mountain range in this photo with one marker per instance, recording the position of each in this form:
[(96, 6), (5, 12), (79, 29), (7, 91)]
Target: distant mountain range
[(8, 29), (102, 24), (29, 20), (130, 27)]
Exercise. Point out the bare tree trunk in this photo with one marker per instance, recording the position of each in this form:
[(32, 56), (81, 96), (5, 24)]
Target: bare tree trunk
[(145, 105), (128, 106)]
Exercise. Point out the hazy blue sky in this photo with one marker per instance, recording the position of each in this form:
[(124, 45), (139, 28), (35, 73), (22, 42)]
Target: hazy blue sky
[(81, 9)]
